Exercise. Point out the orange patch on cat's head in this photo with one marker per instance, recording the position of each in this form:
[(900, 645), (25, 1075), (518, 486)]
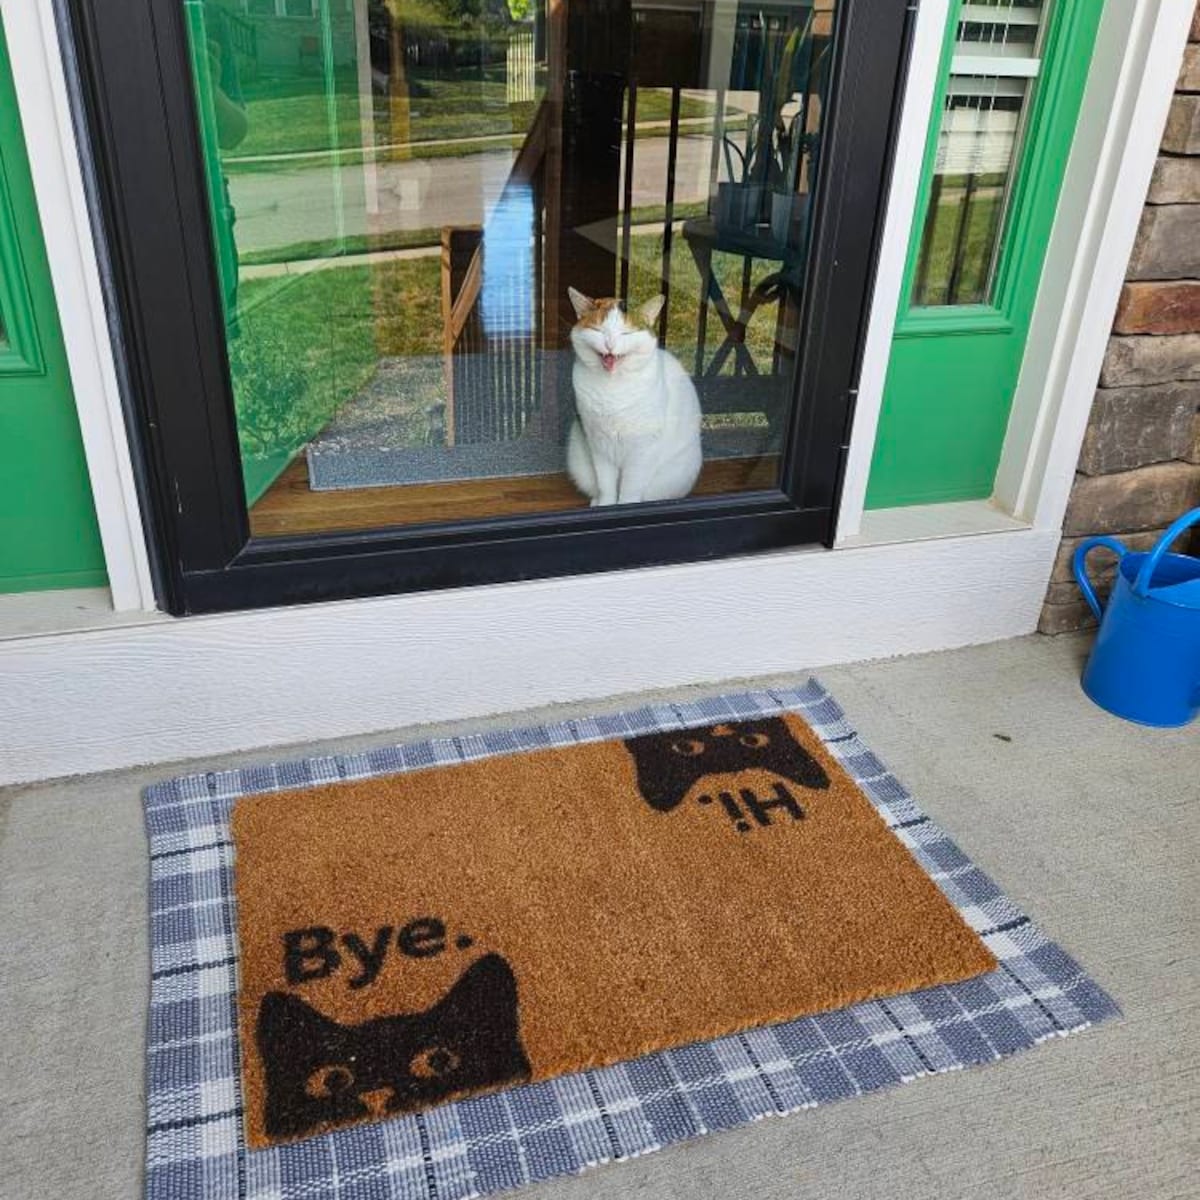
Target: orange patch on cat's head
[(595, 314), (592, 313)]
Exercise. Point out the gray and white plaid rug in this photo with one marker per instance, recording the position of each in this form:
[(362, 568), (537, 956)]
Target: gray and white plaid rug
[(195, 1144)]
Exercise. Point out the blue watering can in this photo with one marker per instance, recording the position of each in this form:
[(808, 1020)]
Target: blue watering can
[(1145, 665)]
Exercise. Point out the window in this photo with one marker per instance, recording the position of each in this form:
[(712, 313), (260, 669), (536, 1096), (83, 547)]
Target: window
[(996, 62)]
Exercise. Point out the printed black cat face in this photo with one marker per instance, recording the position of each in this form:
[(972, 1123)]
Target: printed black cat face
[(320, 1072), (670, 764)]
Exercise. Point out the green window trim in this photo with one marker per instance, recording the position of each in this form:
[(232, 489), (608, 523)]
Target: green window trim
[(1057, 96), (954, 368), (1042, 155)]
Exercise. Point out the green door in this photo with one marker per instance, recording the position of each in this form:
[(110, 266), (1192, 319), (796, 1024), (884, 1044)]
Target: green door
[(48, 533), (1012, 79)]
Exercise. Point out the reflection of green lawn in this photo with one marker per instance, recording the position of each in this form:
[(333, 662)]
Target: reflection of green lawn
[(308, 345), (941, 234), (405, 306), (292, 116), (299, 353), (645, 278)]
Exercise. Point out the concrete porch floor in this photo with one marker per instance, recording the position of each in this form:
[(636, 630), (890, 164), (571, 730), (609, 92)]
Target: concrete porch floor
[(1091, 824)]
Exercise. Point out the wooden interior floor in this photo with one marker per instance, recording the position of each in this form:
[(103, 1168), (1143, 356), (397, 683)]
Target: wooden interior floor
[(289, 506)]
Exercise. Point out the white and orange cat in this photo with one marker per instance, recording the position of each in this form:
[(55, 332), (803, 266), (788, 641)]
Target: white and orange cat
[(637, 434)]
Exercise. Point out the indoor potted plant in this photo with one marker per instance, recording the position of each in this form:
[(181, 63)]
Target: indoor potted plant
[(759, 197)]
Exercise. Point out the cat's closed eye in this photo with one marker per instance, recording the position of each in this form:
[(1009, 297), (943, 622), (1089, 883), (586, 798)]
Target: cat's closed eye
[(688, 748), (433, 1062), (326, 1082)]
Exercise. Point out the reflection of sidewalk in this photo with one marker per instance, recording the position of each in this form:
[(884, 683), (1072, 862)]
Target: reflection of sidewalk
[(305, 266), (276, 209), (354, 154)]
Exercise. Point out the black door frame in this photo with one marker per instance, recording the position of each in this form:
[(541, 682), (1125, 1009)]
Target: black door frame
[(134, 94)]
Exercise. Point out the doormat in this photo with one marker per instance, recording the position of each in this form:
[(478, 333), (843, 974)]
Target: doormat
[(418, 937), (197, 1138), (392, 433), (343, 457)]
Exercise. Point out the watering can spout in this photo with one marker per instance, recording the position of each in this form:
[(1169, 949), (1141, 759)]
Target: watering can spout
[(1145, 665)]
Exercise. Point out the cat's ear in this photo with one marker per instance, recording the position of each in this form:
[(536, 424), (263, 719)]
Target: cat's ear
[(803, 768), (288, 1027), (484, 996), (580, 303), (650, 310)]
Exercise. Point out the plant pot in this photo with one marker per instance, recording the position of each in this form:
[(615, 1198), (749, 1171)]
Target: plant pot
[(738, 206), (788, 213)]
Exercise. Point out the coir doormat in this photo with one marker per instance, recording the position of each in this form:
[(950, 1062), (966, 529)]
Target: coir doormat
[(198, 1125), (428, 935)]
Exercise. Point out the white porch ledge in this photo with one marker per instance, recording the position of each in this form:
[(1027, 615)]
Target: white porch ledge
[(121, 694)]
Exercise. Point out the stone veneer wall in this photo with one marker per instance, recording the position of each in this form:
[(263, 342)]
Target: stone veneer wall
[(1140, 464)]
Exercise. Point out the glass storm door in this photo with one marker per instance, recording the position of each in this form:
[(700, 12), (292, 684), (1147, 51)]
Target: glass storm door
[(487, 289)]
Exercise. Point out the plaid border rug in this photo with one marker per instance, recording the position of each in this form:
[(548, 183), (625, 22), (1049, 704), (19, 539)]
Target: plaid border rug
[(195, 1145)]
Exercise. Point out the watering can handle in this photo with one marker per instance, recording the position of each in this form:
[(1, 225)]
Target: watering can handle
[(1141, 586), (1079, 567)]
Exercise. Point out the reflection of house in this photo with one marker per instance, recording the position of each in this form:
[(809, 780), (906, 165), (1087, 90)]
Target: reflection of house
[(692, 41), (290, 33)]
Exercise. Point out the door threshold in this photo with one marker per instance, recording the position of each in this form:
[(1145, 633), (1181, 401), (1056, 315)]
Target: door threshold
[(921, 522), (64, 610)]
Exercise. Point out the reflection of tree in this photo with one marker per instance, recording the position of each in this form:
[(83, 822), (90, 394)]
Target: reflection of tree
[(410, 38), (229, 109), (477, 10), (271, 381), (449, 14), (223, 126)]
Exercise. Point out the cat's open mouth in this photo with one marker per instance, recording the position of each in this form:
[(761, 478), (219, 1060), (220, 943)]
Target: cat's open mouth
[(609, 361)]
